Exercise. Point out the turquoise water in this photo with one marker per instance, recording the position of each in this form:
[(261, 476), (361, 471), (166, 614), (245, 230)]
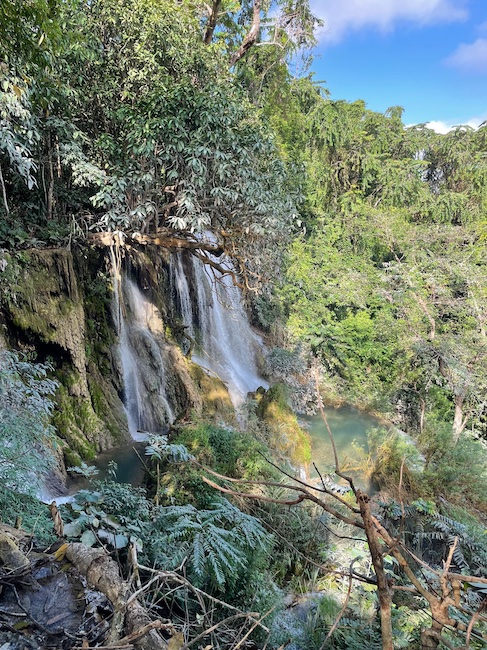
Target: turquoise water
[(349, 427), (129, 467)]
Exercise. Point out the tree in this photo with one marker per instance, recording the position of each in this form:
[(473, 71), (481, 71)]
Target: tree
[(437, 284), (387, 285), (181, 149), (287, 26), (138, 127), (26, 435), (440, 589)]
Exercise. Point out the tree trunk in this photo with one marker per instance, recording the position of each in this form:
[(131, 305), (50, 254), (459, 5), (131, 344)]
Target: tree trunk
[(210, 28), (102, 573), (383, 589), (50, 190), (4, 192), (422, 415), (458, 420), (251, 35)]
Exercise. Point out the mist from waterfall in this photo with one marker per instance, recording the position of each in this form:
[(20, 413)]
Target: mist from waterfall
[(142, 357), (213, 314)]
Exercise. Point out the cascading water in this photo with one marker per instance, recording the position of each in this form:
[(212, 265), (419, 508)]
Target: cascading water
[(212, 312), (142, 357)]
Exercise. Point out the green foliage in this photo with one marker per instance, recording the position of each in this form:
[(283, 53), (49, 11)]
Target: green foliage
[(18, 508), (432, 466), (218, 543), (226, 450), (458, 473), (18, 129), (159, 449), (386, 285), (284, 434), (353, 631), (135, 124), (222, 548), (430, 533), (393, 454), (26, 434), (300, 537)]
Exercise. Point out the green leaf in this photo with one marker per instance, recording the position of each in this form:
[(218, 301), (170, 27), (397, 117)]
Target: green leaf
[(88, 538)]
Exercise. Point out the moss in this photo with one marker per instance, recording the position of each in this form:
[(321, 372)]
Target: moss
[(37, 300), (71, 458), (107, 406), (44, 308), (286, 436), (99, 327), (216, 400), (75, 420), (97, 399)]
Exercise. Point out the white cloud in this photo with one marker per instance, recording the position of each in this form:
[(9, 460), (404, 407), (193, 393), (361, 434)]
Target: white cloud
[(441, 126), (342, 16), (470, 57)]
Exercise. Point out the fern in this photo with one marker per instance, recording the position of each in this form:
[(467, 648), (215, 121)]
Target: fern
[(431, 534), (160, 449), (219, 542)]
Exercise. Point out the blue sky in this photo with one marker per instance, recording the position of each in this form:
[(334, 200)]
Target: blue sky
[(428, 56)]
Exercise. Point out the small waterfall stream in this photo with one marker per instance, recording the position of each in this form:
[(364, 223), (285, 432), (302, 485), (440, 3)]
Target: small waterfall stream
[(142, 356), (213, 314)]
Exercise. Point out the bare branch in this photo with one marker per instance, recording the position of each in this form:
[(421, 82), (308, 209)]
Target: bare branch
[(472, 622)]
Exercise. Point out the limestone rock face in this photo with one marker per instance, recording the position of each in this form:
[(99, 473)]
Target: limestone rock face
[(46, 306), (63, 307), (43, 311)]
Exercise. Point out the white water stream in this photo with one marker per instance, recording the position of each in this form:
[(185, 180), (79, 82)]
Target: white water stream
[(213, 314), (211, 309), (142, 355)]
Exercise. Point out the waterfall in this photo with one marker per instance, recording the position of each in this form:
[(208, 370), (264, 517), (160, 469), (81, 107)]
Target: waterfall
[(142, 356), (180, 290), (212, 312)]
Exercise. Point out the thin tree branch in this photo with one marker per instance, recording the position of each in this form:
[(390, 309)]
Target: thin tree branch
[(472, 622)]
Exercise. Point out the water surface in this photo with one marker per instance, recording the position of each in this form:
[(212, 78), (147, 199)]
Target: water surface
[(349, 427), (129, 467)]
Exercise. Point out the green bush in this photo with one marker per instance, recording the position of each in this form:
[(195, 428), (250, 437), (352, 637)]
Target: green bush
[(28, 512), (227, 451), (392, 453)]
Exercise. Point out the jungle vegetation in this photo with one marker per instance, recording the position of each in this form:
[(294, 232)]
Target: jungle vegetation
[(360, 243)]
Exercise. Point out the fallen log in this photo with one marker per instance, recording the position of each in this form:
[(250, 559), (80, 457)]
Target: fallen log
[(130, 617), (165, 238)]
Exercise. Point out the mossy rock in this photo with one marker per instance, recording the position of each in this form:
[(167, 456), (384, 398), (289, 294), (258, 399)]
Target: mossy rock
[(286, 436), (77, 424), (44, 306), (108, 407), (217, 404)]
